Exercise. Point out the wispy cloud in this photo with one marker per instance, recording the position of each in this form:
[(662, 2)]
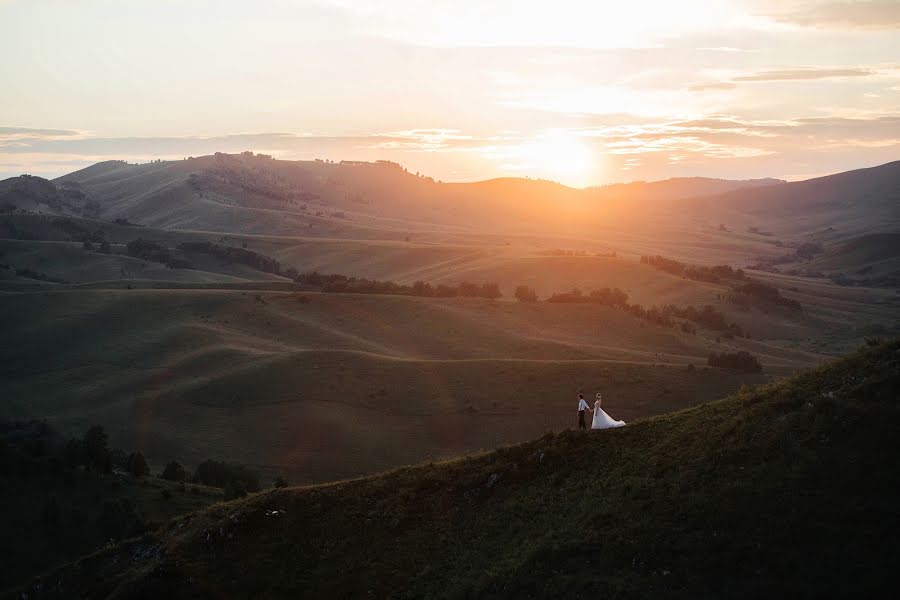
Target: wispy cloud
[(804, 74), (869, 14), (13, 133)]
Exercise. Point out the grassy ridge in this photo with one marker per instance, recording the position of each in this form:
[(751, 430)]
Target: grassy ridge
[(787, 489)]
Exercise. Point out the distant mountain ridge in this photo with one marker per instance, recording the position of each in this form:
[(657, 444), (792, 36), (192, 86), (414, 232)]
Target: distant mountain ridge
[(181, 194), (255, 194)]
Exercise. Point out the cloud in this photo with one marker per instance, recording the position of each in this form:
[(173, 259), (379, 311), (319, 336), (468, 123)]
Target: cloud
[(804, 74), (713, 145), (868, 14), (712, 86), (8, 133)]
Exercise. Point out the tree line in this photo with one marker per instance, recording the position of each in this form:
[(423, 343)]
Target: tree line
[(233, 254), (34, 446), (335, 283), (706, 316), (696, 272), (745, 289)]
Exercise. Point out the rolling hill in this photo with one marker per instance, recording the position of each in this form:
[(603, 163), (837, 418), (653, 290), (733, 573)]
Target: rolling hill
[(257, 194), (391, 379), (856, 202), (785, 490)]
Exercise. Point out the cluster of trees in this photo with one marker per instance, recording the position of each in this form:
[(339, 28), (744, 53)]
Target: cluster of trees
[(738, 361), (254, 177), (155, 252), (699, 273), (92, 452), (756, 290), (524, 293), (236, 480), (342, 284), (746, 289), (101, 248), (90, 240), (604, 296), (32, 274), (9, 230), (707, 316), (231, 254)]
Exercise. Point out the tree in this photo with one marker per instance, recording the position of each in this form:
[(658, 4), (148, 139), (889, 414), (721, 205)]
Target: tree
[(281, 482), (137, 464), (525, 294), (218, 474), (490, 290), (174, 472), (96, 449), (104, 247), (739, 361)]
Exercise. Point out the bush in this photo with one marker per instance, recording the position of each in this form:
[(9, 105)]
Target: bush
[(260, 262), (148, 250), (525, 294), (118, 519), (281, 482), (95, 450), (174, 472), (137, 464), (738, 361), (222, 475), (767, 293), (604, 297)]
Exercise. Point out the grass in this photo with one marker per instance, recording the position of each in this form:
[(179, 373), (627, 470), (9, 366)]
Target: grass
[(92, 510), (787, 490), (343, 384)]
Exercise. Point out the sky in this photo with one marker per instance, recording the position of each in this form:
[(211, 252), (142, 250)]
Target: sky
[(582, 92)]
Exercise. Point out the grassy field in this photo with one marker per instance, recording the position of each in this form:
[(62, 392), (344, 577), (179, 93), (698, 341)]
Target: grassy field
[(89, 511), (340, 384), (784, 490)]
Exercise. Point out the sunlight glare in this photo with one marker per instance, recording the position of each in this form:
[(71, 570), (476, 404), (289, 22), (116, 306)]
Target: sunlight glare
[(559, 155)]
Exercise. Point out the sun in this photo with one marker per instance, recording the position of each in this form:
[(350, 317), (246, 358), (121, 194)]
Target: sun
[(559, 155)]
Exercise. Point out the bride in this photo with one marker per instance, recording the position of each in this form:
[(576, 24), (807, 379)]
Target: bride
[(601, 419)]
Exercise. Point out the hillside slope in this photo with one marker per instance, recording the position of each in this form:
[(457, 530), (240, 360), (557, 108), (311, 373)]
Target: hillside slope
[(392, 380), (257, 194), (853, 202), (786, 490)]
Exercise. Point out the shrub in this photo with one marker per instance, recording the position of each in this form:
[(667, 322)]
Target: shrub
[(148, 250), (525, 294), (137, 464), (96, 450), (219, 474), (738, 361), (767, 293), (118, 519), (174, 472), (231, 254)]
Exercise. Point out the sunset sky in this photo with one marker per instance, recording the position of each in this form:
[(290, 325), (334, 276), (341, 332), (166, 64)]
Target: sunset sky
[(583, 92)]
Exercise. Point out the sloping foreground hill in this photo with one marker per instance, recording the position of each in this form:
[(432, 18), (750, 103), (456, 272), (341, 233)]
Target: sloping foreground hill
[(786, 490)]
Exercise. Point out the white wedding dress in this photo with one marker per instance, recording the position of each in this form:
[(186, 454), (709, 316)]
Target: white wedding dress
[(603, 420)]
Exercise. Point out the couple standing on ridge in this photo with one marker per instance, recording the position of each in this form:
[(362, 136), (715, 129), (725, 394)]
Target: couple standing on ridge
[(601, 419)]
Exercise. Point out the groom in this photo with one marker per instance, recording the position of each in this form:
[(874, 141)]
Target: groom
[(582, 406)]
